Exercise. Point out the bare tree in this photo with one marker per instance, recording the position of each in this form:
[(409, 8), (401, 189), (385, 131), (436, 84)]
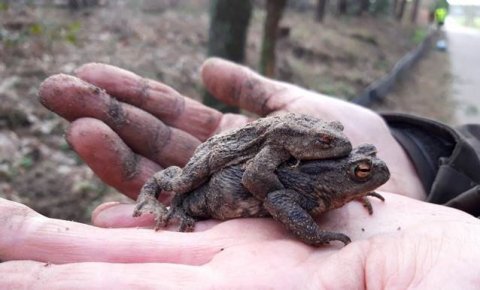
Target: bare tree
[(229, 20), (79, 4), (401, 9), (320, 10), (413, 16), (394, 8), (342, 7), (270, 32), (363, 7)]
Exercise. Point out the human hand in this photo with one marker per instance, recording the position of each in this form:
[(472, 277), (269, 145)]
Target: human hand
[(405, 244), (396, 247), (148, 125)]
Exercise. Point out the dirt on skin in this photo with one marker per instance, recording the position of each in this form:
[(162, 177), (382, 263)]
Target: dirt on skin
[(167, 42)]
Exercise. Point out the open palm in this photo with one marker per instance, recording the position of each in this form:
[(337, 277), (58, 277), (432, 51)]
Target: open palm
[(405, 244)]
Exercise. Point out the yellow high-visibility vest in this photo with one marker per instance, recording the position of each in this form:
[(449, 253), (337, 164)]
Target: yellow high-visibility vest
[(440, 14)]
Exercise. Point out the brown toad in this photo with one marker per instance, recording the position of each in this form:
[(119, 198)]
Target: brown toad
[(261, 146), (311, 188)]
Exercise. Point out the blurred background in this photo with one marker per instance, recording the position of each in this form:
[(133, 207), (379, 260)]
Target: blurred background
[(415, 56)]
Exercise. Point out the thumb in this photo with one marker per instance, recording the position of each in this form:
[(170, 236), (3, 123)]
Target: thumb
[(238, 85)]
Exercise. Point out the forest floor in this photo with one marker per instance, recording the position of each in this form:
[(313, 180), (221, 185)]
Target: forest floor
[(167, 42)]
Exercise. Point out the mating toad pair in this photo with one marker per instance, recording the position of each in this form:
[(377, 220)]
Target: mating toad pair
[(292, 167)]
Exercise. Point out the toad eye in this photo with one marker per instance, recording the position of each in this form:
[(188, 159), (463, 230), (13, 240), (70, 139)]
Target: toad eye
[(362, 170), (323, 139)]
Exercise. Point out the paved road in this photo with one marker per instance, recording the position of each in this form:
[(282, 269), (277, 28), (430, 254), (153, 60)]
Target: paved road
[(464, 49)]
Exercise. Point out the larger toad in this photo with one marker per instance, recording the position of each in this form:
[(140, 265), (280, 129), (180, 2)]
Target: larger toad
[(310, 189), (261, 146)]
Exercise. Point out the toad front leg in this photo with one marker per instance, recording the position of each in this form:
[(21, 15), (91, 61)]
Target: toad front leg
[(147, 200), (291, 209), (173, 179), (259, 177)]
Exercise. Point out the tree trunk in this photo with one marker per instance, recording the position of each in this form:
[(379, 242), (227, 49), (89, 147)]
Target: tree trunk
[(363, 7), (270, 32), (320, 11), (229, 20), (394, 8), (401, 10), (342, 7), (79, 4), (416, 4)]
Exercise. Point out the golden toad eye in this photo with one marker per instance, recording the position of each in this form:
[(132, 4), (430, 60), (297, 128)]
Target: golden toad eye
[(362, 170)]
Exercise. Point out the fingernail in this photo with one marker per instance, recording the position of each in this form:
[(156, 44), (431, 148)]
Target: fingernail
[(99, 210)]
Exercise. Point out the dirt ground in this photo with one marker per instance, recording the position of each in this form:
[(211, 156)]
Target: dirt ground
[(425, 91), (164, 40)]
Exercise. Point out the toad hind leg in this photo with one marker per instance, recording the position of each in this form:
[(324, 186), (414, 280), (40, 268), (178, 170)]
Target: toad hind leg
[(290, 208)]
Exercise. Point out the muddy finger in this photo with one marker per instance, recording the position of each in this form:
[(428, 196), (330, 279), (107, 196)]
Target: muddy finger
[(154, 97), (73, 98), (239, 86), (109, 157)]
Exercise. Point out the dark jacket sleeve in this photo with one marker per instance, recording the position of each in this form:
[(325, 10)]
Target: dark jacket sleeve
[(447, 159)]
